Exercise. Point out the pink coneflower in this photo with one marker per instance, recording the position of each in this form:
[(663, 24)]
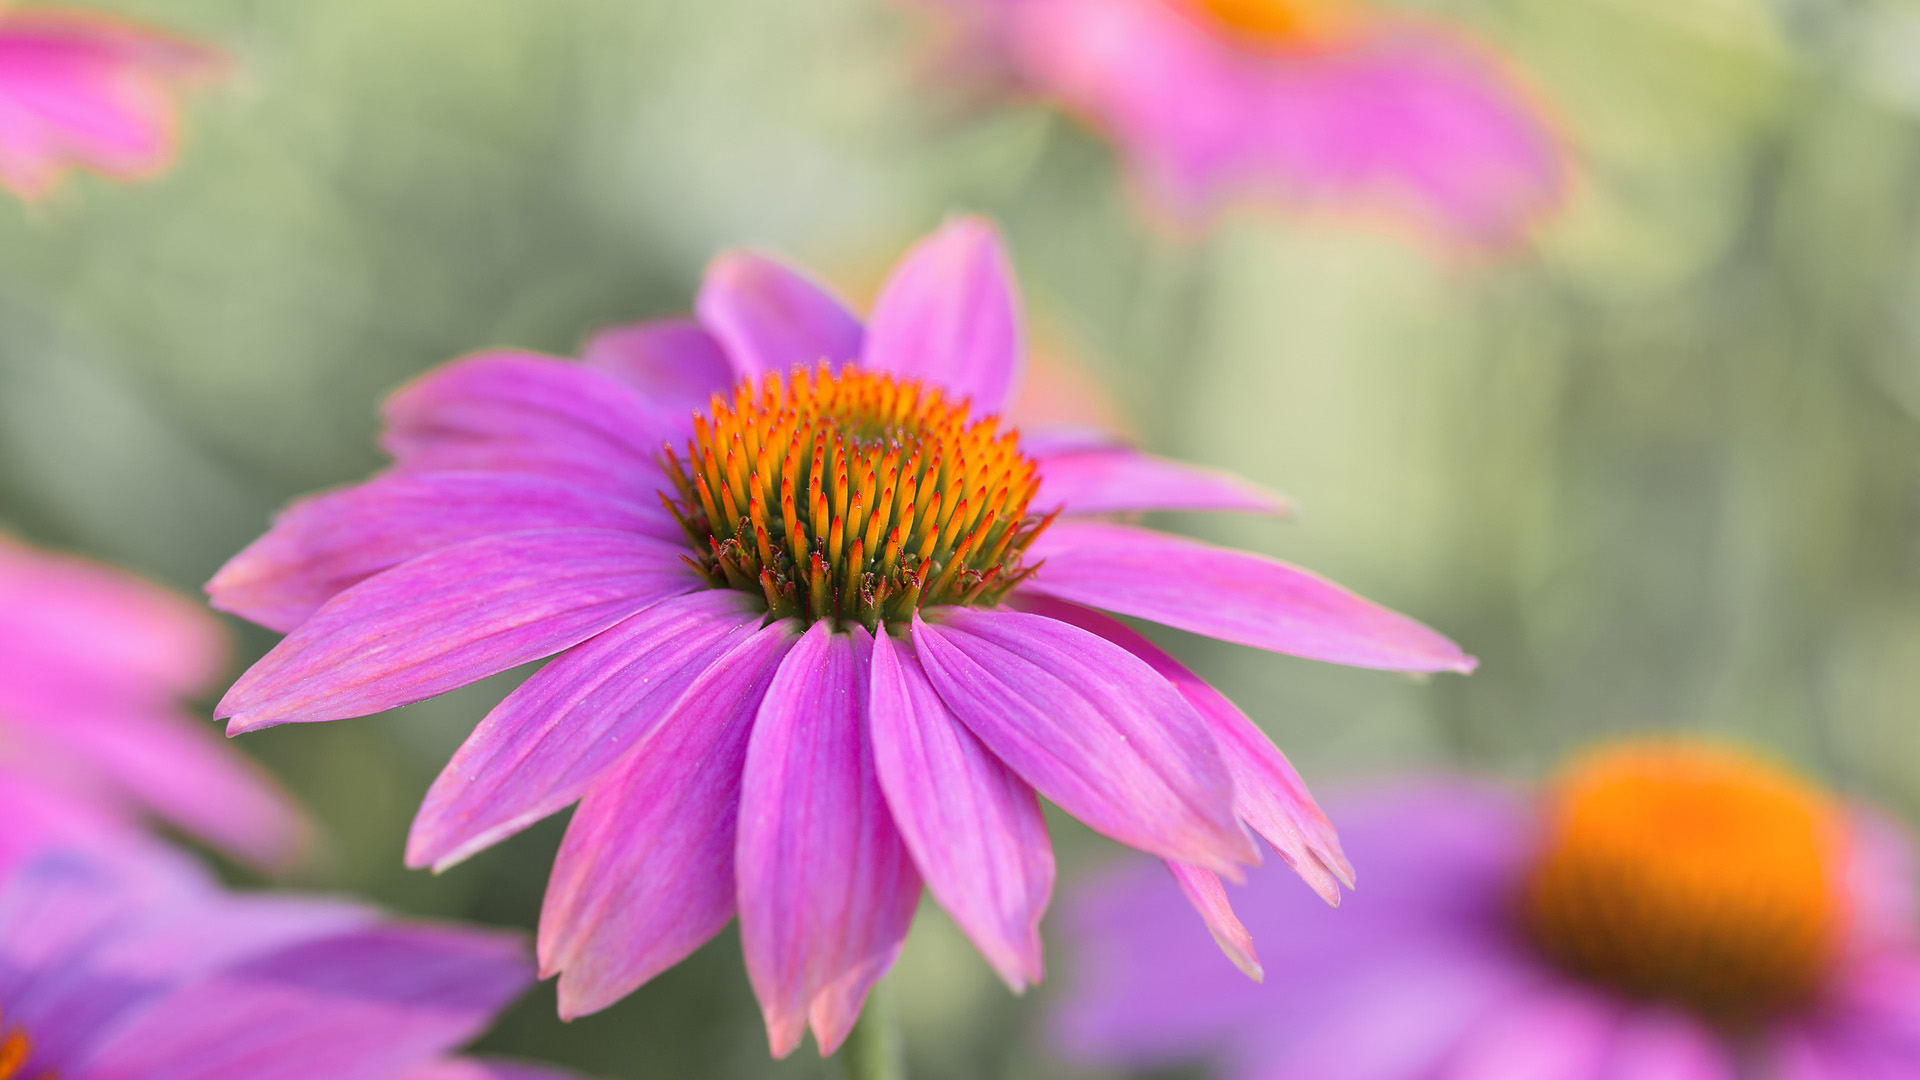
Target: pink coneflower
[(1314, 101), (116, 970), (94, 664), (81, 89), (820, 629), (1665, 910)]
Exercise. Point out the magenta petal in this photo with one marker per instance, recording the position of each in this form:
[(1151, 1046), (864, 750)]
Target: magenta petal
[(1109, 480), (322, 545), (1092, 728), (472, 1068), (950, 315), (1564, 1033), (771, 317), (973, 827), (675, 363), (538, 750), (827, 889), (1659, 1044), (1232, 595), (1209, 897), (1268, 794), (526, 413), (451, 618), (645, 875)]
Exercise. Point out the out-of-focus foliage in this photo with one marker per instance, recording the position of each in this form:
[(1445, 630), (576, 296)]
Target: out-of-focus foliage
[(1661, 471)]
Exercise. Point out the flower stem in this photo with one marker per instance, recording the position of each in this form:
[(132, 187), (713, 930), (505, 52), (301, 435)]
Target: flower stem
[(874, 1049)]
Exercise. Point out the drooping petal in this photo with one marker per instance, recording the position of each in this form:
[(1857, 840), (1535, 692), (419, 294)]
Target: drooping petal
[(320, 546), (973, 827), (1268, 793), (827, 888), (950, 315), (1208, 896), (675, 363), (537, 751), (646, 873), (1118, 479), (520, 412), (1232, 595), (451, 618), (1092, 728), (771, 317)]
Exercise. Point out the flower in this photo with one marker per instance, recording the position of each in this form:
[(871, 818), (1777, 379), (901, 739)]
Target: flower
[(1665, 908), (1313, 101), (113, 969), (824, 646), (93, 665), (83, 89)]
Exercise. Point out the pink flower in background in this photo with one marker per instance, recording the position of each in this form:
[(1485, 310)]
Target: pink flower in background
[(1307, 100), (1663, 911), (85, 90), (94, 664), (112, 970), (825, 646)]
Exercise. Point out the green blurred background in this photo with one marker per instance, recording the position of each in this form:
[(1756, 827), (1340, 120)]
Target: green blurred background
[(1660, 470)]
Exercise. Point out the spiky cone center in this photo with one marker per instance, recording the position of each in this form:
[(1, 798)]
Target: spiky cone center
[(1286, 25), (1690, 874), (853, 496)]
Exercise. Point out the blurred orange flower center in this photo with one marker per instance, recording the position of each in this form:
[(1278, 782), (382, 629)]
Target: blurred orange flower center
[(1690, 874), (854, 496), (15, 1047), (1284, 23)]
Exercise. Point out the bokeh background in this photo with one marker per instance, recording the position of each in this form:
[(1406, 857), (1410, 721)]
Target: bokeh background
[(1660, 469)]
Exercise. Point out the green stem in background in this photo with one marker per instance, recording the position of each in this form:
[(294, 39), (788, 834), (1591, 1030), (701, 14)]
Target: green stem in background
[(874, 1049)]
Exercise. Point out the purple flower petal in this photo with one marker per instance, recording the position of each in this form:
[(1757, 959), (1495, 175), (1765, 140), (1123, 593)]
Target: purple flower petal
[(321, 546), (771, 317), (827, 889), (1232, 595), (1092, 728), (646, 873), (1209, 897), (973, 827), (1268, 794), (451, 618), (1111, 480), (1562, 1033), (675, 363), (1660, 1044), (950, 315), (537, 751), (525, 413), (472, 1068)]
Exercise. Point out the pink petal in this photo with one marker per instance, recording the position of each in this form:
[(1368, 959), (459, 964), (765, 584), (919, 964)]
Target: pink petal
[(1268, 794), (646, 873), (1209, 897), (539, 749), (451, 618), (521, 412), (827, 889), (769, 316), (1564, 1033), (674, 363), (950, 316), (1120, 480), (1232, 595), (1092, 728), (1659, 1044), (973, 827), (325, 544), (471, 1068), (1881, 878)]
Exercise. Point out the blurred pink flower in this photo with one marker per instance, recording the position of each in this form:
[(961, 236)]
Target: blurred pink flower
[(113, 969), (1664, 911), (809, 656), (93, 666), (1308, 100), (81, 89)]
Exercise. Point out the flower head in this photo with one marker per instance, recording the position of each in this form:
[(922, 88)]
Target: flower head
[(93, 666), (81, 89), (1317, 102), (824, 626), (1662, 908), (119, 968)]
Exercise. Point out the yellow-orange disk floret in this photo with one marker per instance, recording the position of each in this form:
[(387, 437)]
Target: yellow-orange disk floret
[(15, 1048), (1287, 24), (1692, 874), (854, 496)]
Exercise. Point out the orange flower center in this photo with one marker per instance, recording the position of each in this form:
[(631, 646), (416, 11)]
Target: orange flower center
[(853, 496), (1692, 874), (15, 1048), (1285, 24)]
